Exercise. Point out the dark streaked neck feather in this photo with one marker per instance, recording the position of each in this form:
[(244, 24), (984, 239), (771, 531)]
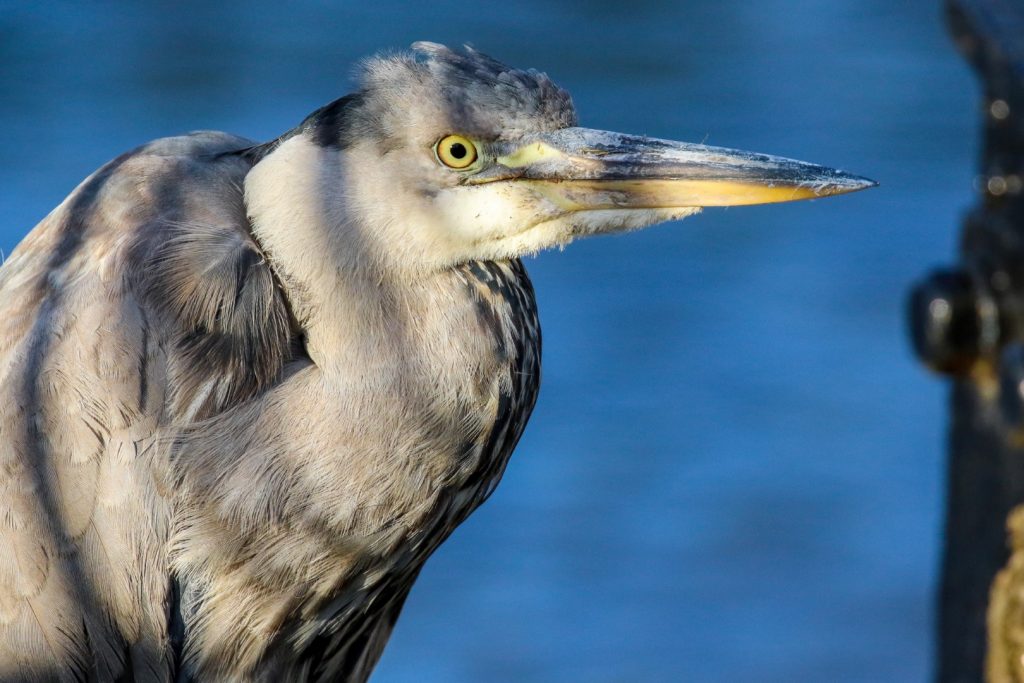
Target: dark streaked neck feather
[(328, 126)]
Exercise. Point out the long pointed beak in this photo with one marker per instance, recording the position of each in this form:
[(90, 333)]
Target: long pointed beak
[(583, 169)]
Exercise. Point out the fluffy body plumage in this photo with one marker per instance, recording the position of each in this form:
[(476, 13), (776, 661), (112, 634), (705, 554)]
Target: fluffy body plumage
[(200, 476)]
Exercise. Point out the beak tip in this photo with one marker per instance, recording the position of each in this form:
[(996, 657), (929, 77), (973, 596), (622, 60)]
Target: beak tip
[(865, 183), (844, 183)]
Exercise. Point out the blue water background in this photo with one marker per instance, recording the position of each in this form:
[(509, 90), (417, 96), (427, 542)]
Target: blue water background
[(734, 471)]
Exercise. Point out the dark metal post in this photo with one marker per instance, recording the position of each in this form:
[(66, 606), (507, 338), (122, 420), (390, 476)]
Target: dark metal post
[(968, 322)]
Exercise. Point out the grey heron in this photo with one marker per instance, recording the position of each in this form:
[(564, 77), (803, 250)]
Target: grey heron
[(248, 389)]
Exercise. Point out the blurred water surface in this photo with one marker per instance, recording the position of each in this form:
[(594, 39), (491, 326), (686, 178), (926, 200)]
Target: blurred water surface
[(734, 471)]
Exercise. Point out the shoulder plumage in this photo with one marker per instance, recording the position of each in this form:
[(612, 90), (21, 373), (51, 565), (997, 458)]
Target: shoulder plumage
[(198, 267), (140, 303)]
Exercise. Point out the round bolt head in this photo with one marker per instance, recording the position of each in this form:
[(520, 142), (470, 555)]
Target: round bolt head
[(950, 326)]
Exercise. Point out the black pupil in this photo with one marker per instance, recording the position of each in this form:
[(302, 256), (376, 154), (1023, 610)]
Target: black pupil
[(458, 150)]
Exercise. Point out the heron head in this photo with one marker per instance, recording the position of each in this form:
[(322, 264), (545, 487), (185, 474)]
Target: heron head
[(446, 156)]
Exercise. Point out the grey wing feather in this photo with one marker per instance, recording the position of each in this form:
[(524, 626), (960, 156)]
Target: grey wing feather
[(122, 315)]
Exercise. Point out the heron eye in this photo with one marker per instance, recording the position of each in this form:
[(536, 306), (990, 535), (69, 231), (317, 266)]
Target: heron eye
[(455, 151)]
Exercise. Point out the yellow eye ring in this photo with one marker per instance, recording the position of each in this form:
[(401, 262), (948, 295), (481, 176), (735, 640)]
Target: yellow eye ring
[(455, 151)]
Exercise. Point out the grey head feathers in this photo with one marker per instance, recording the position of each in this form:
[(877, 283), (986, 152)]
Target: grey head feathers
[(467, 90), (480, 94)]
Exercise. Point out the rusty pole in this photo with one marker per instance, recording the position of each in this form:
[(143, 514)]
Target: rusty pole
[(968, 322)]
